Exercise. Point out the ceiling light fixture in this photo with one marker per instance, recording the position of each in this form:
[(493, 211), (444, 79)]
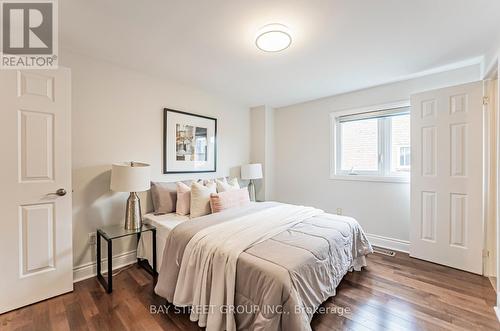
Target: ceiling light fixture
[(273, 38)]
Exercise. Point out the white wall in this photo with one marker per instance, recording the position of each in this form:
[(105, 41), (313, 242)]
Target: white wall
[(262, 148), (302, 157), (490, 63), (118, 116)]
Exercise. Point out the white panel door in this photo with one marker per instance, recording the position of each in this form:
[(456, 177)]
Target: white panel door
[(447, 176), (35, 147)]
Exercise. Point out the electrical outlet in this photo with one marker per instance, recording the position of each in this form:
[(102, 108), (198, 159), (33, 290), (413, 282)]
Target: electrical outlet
[(92, 238), (339, 211)]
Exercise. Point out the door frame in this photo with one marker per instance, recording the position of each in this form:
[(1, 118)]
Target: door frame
[(492, 72), (490, 187)]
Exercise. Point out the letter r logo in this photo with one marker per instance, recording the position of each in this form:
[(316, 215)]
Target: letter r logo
[(27, 28)]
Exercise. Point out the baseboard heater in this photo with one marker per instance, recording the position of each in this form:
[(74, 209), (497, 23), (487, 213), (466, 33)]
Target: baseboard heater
[(383, 251)]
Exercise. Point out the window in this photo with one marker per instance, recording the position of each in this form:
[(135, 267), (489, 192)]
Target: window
[(404, 157), (359, 145), (372, 143)]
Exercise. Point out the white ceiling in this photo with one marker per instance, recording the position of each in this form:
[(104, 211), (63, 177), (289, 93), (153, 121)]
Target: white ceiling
[(338, 45)]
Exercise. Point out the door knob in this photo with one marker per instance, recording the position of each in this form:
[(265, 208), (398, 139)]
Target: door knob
[(60, 192)]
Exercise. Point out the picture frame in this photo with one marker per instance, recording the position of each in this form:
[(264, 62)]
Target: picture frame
[(189, 142)]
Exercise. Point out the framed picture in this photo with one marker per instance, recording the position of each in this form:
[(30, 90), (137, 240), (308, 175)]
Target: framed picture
[(189, 142)]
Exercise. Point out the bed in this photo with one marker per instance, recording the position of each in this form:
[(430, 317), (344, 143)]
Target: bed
[(265, 266), (164, 223)]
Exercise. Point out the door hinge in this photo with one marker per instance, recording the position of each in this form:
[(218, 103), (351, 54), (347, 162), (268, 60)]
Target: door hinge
[(486, 100), (486, 253)]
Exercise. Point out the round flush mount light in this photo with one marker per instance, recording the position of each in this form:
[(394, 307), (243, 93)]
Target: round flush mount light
[(273, 38)]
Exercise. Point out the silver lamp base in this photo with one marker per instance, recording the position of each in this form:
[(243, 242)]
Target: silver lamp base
[(133, 216), (251, 190)]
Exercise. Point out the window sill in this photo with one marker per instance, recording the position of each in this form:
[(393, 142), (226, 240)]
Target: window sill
[(364, 178)]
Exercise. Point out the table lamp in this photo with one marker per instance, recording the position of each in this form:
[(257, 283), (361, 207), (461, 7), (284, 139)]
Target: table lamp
[(131, 177), (251, 171)]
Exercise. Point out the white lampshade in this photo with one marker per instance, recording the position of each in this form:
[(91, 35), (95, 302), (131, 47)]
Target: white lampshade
[(251, 171), (130, 177)]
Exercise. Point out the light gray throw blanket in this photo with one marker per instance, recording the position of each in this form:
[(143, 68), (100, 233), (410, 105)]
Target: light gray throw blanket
[(281, 276)]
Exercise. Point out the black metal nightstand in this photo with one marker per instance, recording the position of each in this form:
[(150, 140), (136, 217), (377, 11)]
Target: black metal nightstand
[(115, 232)]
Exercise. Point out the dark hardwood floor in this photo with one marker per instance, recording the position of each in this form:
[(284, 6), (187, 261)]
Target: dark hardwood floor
[(393, 293)]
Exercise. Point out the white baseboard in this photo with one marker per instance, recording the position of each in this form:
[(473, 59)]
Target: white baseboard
[(389, 243), (89, 270)]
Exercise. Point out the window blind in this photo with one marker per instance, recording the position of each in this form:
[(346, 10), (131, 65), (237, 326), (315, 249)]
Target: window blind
[(375, 114)]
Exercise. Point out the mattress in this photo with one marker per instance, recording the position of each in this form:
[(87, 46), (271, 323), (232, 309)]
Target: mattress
[(164, 224)]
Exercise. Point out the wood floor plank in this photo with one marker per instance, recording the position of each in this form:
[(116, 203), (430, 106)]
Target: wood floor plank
[(420, 316), (466, 303), (57, 314), (379, 308), (442, 282), (392, 293)]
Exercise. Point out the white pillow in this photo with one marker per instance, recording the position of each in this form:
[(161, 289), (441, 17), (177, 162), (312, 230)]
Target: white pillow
[(223, 185), (183, 199), (200, 199)]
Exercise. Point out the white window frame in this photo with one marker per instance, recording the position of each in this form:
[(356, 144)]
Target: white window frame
[(399, 157), (384, 174)]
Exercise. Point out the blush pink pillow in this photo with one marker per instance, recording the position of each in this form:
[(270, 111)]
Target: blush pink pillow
[(183, 199), (229, 199)]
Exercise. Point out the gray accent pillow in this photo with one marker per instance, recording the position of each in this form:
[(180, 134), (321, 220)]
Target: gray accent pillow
[(164, 197)]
